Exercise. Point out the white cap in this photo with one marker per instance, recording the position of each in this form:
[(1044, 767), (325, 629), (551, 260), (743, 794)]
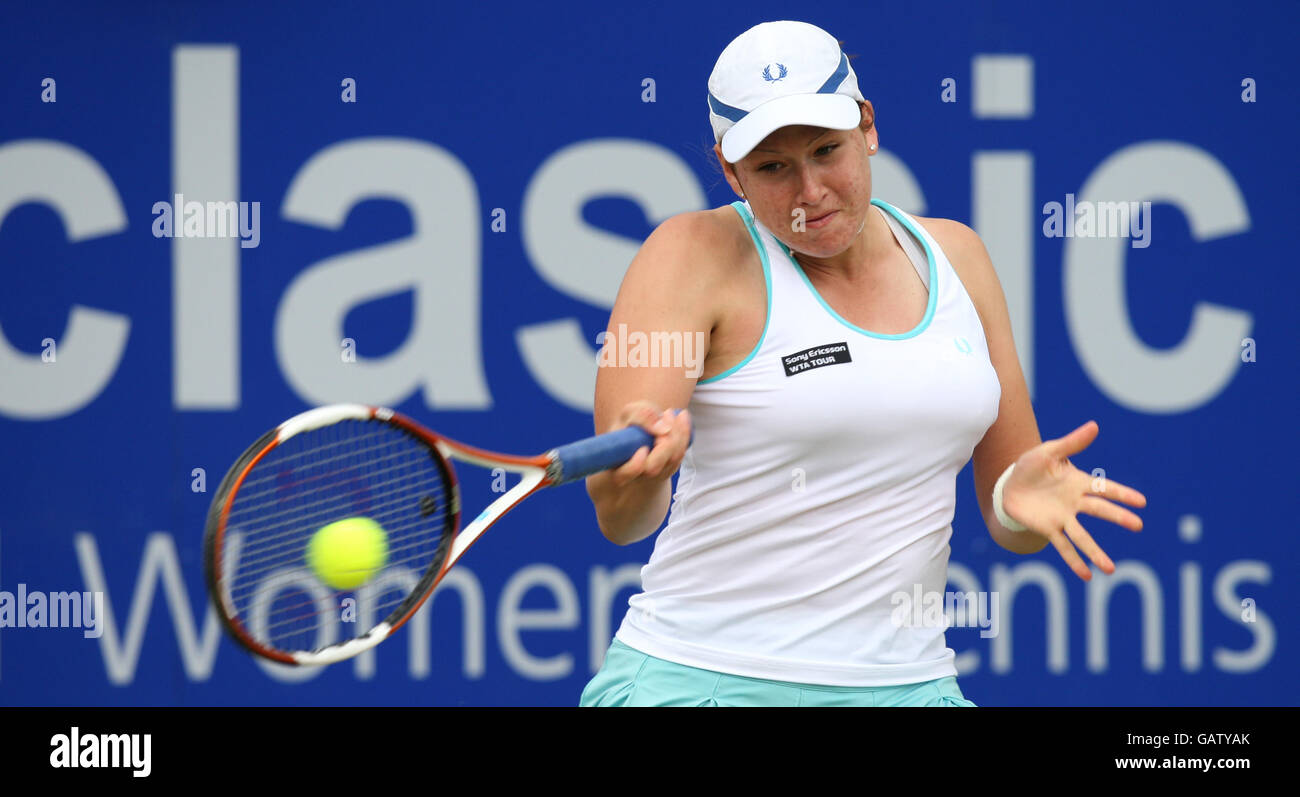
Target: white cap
[(777, 74)]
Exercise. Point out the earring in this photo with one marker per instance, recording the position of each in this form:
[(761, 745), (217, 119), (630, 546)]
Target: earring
[(872, 147)]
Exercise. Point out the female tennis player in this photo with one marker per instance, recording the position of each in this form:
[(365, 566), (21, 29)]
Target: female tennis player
[(856, 357)]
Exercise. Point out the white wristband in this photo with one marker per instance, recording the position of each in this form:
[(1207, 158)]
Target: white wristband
[(1003, 517)]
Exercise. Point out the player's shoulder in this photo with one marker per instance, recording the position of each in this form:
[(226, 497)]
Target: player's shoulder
[(952, 236), (685, 271), (969, 258), (716, 228), (706, 243)]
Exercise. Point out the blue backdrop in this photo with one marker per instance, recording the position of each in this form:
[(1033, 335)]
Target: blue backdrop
[(453, 191)]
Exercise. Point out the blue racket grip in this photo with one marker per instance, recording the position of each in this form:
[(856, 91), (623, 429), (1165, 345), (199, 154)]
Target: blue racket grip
[(602, 452)]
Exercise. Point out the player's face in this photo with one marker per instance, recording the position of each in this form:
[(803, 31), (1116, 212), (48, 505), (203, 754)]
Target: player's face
[(811, 186)]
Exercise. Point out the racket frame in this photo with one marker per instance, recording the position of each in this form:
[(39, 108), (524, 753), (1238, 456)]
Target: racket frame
[(539, 471)]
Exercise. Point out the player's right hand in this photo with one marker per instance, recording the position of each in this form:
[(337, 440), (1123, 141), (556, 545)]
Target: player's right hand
[(672, 431)]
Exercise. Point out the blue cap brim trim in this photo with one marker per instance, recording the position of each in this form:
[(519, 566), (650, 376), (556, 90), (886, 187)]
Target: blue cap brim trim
[(833, 83), (724, 110)]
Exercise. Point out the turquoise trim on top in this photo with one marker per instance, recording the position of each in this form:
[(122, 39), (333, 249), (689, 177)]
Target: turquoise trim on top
[(767, 279), (933, 288)]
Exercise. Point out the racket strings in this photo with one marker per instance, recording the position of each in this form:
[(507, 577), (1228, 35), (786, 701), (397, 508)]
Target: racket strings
[(391, 595), (249, 573), (396, 518), (346, 470), (317, 452), (282, 534), (278, 481), (266, 488), (289, 612), (390, 587)]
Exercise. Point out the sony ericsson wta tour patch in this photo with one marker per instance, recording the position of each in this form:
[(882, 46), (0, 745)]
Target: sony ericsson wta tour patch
[(816, 357)]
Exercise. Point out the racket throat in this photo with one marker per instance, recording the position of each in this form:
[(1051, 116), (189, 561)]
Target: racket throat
[(532, 481)]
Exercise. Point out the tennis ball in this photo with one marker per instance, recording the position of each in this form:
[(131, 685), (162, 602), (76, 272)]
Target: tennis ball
[(346, 553)]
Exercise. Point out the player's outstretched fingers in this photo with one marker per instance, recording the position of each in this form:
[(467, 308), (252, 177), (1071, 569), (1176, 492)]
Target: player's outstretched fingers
[(1120, 492), (1080, 537), (1100, 507), (1075, 441), (1071, 557)]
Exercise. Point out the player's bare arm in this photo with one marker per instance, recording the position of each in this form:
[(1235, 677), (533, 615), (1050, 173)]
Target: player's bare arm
[(671, 286), (1053, 491)]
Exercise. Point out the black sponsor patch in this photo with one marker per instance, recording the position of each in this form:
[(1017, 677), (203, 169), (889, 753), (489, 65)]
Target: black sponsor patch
[(816, 357)]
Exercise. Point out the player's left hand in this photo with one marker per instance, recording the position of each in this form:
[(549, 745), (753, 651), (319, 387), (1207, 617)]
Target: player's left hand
[(1045, 492)]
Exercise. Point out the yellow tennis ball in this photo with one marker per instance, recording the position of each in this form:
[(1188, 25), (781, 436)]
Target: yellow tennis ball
[(347, 553)]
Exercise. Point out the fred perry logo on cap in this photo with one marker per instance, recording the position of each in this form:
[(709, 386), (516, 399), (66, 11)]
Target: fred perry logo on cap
[(804, 78), (816, 357)]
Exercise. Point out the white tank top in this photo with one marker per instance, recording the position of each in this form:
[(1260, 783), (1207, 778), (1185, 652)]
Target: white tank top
[(821, 482)]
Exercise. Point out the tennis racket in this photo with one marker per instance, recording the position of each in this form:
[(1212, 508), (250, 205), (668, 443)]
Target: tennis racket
[(354, 461)]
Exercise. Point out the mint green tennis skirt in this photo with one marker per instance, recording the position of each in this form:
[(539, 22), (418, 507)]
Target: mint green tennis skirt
[(629, 677)]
